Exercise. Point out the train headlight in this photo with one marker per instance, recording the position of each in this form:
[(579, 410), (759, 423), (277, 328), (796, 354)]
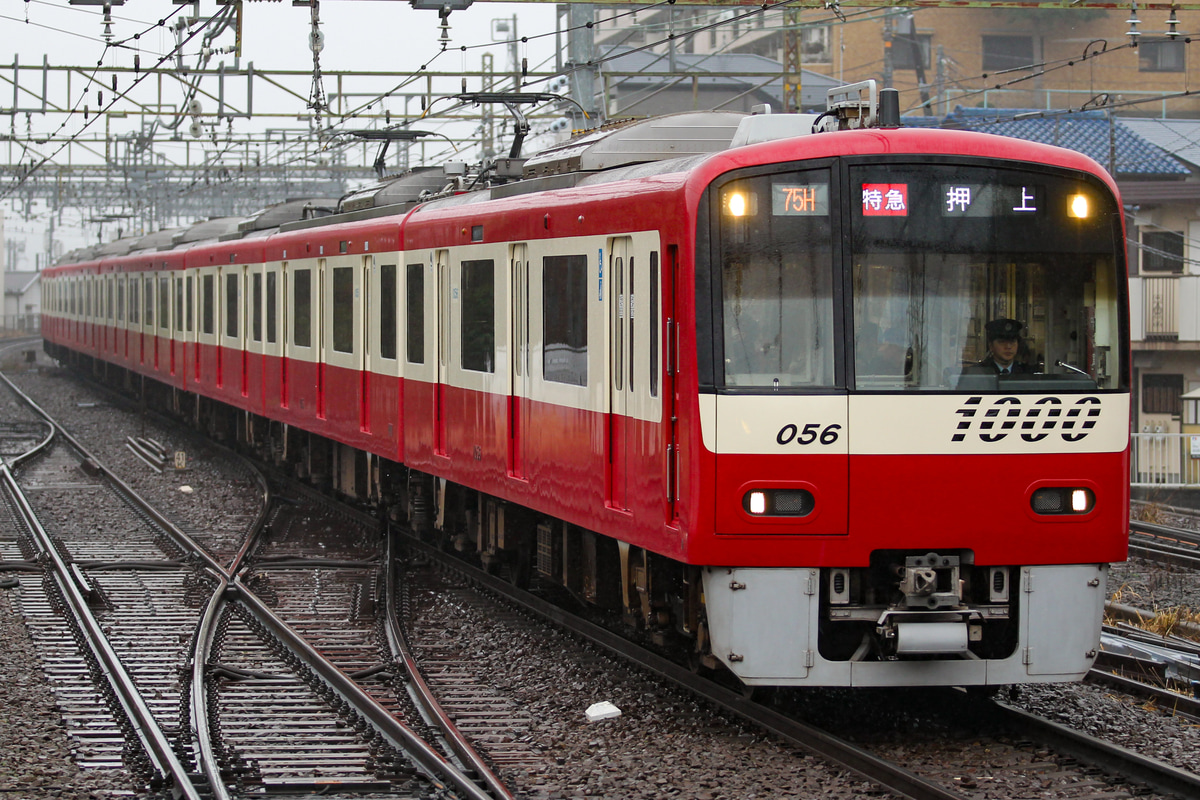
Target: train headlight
[(1057, 500), (1078, 206), (758, 503), (740, 203)]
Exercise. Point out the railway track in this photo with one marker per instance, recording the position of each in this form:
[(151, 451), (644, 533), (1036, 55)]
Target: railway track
[(263, 708), (280, 571), (1094, 756)]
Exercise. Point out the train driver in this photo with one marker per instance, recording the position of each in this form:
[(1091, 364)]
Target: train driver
[(1004, 348)]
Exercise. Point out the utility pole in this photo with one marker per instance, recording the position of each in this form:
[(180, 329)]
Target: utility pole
[(581, 47), (791, 60)]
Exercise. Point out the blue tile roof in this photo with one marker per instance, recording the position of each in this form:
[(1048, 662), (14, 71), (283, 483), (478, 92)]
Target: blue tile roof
[(1088, 132)]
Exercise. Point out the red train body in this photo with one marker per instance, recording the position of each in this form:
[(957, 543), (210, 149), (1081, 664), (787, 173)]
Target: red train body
[(652, 382)]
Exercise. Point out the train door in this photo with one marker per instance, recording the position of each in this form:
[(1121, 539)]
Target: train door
[(318, 326), (370, 311), (620, 364), (285, 336), (441, 327), (518, 404)]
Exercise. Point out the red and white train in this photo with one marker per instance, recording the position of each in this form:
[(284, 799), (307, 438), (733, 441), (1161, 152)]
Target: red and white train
[(714, 371)]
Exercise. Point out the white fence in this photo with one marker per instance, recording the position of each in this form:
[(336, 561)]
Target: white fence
[(1167, 460)]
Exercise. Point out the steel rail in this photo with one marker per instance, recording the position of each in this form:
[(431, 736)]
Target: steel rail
[(805, 736), (1106, 755), (203, 748), (396, 732), (402, 654), (153, 741)]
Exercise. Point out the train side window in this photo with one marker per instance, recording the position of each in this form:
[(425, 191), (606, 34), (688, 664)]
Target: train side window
[(302, 302), (164, 301), (564, 315), (272, 293), (416, 313), (231, 305), (121, 298), (189, 304), (479, 315), (654, 324), (387, 311), (179, 303), (134, 300), (343, 309), (206, 305), (256, 301), (148, 295)]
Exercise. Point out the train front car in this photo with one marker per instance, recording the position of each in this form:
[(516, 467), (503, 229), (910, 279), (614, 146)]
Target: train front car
[(895, 507)]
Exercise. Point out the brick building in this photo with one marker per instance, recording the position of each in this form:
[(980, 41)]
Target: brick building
[(1011, 58)]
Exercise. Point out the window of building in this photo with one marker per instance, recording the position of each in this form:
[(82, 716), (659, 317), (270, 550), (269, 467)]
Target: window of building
[(1007, 52), (343, 309), (905, 55), (814, 45), (1165, 56), (564, 314), (416, 313), (478, 327), (1161, 393), (387, 311), (1162, 251)]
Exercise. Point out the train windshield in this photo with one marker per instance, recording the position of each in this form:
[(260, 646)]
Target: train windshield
[(960, 277), (981, 279)]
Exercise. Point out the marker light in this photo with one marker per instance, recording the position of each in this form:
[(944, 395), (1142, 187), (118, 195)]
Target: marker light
[(1078, 207), (1062, 500), (758, 503)]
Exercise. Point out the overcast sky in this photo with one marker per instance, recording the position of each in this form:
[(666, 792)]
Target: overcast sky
[(359, 35)]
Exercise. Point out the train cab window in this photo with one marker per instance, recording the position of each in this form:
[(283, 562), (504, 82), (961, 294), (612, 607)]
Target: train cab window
[(207, 304), (966, 249), (478, 328), (272, 293), (775, 272), (415, 308), (231, 305), (302, 307), (387, 311), (343, 309), (564, 319)]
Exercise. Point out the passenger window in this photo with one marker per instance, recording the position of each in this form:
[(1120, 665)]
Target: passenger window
[(479, 316), (416, 313), (564, 319)]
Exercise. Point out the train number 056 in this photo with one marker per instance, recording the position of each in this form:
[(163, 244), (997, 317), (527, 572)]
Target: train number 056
[(810, 433)]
